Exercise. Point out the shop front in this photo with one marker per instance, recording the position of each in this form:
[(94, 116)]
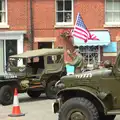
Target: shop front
[(11, 42), (95, 48)]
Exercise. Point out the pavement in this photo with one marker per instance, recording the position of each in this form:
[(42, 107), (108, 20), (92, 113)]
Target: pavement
[(34, 109)]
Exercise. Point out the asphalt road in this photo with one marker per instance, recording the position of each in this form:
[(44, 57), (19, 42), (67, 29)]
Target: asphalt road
[(40, 109)]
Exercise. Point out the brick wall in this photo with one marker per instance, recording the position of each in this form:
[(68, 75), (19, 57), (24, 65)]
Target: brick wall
[(92, 12), (18, 14)]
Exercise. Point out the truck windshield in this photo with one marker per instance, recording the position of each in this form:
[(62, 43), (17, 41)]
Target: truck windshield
[(16, 62)]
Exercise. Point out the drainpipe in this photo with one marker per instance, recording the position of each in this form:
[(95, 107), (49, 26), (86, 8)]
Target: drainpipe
[(31, 26)]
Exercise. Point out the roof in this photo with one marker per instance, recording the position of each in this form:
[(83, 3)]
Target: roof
[(38, 52)]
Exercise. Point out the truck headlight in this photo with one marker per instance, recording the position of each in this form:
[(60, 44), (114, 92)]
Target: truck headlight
[(60, 85)]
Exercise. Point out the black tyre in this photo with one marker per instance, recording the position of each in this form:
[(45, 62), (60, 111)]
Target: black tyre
[(78, 109), (6, 95), (34, 94), (51, 90)]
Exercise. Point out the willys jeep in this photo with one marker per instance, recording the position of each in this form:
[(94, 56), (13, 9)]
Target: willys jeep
[(92, 95), (34, 72)]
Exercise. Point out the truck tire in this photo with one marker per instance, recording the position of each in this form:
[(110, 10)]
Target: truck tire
[(6, 95), (78, 109), (51, 91), (34, 94)]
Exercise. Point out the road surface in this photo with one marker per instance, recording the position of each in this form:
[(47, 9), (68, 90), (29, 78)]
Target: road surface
[(40, 109)]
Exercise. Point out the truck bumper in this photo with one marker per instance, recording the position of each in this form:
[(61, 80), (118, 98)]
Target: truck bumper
[(56, 106)]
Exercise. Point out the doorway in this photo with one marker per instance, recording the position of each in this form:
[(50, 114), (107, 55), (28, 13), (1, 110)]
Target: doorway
[(1, 56), (10, 48)]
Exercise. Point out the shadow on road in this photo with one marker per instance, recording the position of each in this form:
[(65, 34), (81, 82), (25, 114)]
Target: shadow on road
[(28, 99)]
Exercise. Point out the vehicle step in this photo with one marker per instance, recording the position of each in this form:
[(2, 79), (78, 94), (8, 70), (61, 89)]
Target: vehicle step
[(113, 112)]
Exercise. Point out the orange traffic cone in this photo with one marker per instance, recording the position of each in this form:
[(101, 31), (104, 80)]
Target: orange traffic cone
[(16, 112)]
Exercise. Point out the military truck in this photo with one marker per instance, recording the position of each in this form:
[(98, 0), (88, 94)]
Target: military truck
[(92, 95), (34, 72)]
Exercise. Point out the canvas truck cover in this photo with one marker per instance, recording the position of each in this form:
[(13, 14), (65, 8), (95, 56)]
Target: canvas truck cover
[(38, 52)]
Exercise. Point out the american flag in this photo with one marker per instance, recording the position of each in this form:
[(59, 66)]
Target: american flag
[(80, 30)]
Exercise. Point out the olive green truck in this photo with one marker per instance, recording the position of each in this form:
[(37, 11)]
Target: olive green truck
[(92, 95), (34, 72)]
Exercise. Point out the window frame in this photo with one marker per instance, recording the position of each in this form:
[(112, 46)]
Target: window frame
[(64, 23), (110, 23), (92, 52), (4, 24)]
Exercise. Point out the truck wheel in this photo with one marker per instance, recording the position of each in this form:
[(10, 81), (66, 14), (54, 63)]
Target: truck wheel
[(78, 109), (34, 94), (51, 91), (6, 95)]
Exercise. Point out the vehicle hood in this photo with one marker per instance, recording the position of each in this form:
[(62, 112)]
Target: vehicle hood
[(89, 77)]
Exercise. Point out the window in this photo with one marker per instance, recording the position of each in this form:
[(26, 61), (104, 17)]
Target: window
[(54, 59), (3, 11), (64, 12), (50, 59), (112, 12), (90, 52)]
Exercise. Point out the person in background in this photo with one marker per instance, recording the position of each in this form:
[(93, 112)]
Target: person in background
[(77, 60)]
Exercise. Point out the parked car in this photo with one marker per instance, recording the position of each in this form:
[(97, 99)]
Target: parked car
[(34, 72)]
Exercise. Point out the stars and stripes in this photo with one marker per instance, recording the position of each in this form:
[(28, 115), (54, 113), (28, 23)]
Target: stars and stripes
[(80, 30)]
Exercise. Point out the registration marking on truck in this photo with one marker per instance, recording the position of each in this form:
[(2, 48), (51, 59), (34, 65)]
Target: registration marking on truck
[(84, 75), (10, 76)]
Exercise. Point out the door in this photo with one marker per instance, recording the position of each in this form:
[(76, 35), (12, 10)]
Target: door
[(11, 48), (1, 57), (54, 63)]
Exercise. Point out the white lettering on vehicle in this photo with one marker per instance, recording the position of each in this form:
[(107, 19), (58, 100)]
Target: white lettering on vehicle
[(84, 75), (10, 76)]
